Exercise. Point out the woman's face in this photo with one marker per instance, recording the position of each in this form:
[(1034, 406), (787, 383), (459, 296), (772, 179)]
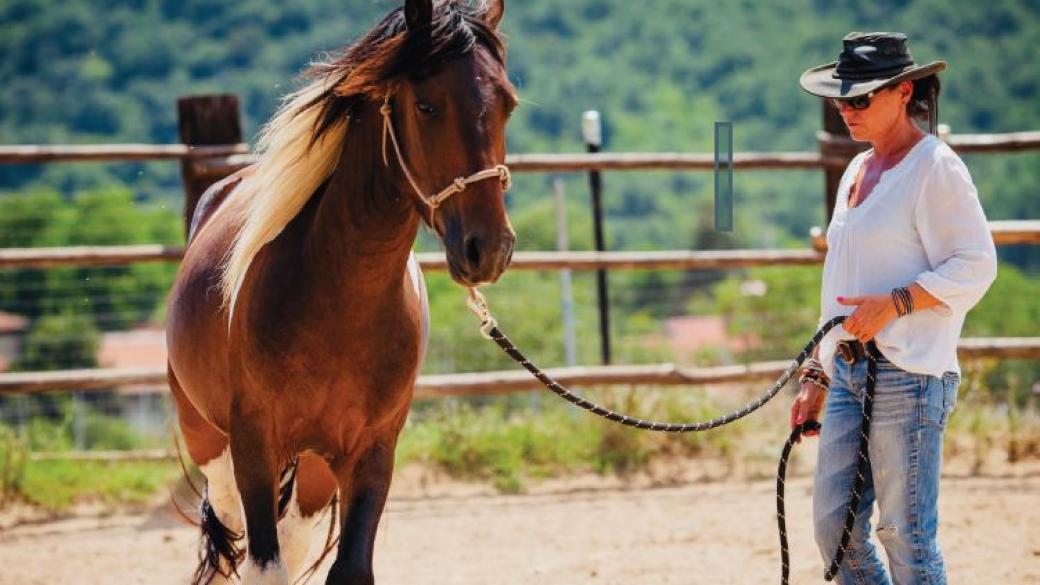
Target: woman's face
[(887, 110)]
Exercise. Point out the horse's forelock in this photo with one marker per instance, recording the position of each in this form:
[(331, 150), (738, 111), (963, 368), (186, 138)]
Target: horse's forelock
[(390, 52)]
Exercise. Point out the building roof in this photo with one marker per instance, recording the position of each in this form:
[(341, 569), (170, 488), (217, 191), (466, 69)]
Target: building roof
[(692, 333), (12, 323), (139, 348)]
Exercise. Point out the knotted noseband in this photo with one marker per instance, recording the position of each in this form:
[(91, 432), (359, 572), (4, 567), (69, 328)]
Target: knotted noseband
[(501, 172)]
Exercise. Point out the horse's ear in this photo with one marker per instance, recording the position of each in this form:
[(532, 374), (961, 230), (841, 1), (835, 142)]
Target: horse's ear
[(495, 10), (418, 14)]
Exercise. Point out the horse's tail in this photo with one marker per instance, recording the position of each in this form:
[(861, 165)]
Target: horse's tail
[(219, 553)]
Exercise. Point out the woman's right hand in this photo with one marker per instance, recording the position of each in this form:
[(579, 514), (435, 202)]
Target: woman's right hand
[(807, 405)]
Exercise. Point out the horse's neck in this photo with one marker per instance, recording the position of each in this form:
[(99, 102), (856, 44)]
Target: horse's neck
[(364, 226)]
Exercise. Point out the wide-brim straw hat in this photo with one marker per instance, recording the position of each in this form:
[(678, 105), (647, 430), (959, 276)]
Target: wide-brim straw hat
[(868, 62)]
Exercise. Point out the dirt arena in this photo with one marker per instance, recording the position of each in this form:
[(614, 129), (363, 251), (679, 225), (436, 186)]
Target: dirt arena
[(579, 531)]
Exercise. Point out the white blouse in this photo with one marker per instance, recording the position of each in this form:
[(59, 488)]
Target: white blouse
[(922, 223)]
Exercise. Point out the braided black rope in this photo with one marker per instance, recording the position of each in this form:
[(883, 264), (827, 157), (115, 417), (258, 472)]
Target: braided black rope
[(781, 478), (861, 465), (857, 481), (507, 346)]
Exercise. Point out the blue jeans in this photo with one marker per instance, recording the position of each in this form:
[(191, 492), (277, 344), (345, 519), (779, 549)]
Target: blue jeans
[(910, 414)]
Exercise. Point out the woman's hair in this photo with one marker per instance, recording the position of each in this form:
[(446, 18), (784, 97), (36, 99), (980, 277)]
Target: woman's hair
[(920, 105)]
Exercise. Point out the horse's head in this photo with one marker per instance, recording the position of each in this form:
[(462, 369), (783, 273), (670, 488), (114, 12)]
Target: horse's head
[(448, 109), (434, 70), (432, 74)]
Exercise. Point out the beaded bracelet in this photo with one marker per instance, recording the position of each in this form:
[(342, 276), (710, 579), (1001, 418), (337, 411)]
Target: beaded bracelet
[(814, 372), (816, 377)]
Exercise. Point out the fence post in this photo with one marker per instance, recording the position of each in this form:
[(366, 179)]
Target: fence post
[(202, 121), (835, 143), (592, 131)]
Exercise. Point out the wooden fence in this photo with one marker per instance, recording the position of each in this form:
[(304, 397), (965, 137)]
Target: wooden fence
[(210, 129)]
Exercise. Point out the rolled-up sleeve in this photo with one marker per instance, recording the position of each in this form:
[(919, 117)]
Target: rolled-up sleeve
[(955, 236)]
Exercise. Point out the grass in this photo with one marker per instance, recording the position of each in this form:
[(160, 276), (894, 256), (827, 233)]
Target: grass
[(509, 442), (513, 441), (57, 485)]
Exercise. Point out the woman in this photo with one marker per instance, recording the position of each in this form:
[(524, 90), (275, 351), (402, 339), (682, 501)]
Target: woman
[(909, 253)]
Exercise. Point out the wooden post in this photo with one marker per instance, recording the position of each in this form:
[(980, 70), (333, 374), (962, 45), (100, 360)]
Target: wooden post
[(202, 121), (835, 143)]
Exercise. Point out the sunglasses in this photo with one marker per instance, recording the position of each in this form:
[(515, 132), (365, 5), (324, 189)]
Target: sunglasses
[(860, 102)]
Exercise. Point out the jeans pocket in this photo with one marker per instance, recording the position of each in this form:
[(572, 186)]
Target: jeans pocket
[(951, 384)]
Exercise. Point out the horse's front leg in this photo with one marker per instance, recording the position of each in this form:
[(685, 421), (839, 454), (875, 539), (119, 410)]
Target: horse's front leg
[(256, 475), (312, 492), (364, 489)]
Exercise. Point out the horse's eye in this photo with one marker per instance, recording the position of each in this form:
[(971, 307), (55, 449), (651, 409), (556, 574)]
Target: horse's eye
[(425, 107)]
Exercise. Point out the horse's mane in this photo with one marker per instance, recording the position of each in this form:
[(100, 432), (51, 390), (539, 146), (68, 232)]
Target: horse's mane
[(300, 146)]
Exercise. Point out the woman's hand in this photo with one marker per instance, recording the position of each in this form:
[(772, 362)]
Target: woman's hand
[(874, 312), (807, 405)]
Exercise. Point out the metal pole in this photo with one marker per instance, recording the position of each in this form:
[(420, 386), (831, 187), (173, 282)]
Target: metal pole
[(79, 425), (566, 293), (592, 131)]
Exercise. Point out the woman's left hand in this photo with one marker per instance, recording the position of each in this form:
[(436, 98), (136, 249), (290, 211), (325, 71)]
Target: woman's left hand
[(874, 312)]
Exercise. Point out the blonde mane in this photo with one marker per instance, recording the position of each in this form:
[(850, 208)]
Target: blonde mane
[(291, 167)]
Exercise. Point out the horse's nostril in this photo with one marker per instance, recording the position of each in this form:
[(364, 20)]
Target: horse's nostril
[(473, 251)]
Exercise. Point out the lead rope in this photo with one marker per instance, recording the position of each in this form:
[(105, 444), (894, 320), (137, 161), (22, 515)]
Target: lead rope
[(857, 481), (489, 329), (781, 478)]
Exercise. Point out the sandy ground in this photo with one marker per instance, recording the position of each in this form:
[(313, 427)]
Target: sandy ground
[(580, 531)]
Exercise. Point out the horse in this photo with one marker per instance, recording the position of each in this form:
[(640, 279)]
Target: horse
[(298, 319)]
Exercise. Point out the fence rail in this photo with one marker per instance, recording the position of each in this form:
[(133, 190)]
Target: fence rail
[(39, 153), (504, 382), (1004, 233), (106, 456), (962, 143), (236, 155)]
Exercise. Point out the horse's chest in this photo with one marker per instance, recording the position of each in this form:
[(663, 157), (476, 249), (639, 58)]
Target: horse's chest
[(366, 364)]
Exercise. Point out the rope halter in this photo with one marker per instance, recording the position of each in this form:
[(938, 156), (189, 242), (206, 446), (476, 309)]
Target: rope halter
[(479, 305), (501, 172)]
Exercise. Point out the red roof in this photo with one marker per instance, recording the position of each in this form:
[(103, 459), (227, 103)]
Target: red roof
[(140, 348), (11, 323), (693, 333)]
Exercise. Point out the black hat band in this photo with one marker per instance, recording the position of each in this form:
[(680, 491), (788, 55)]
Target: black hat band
[(860, 73)]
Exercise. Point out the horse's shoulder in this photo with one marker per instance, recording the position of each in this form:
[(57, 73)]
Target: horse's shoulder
[(214, 197)]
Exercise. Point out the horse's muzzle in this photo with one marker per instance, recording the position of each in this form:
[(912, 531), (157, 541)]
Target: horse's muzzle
[(479, 258)]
